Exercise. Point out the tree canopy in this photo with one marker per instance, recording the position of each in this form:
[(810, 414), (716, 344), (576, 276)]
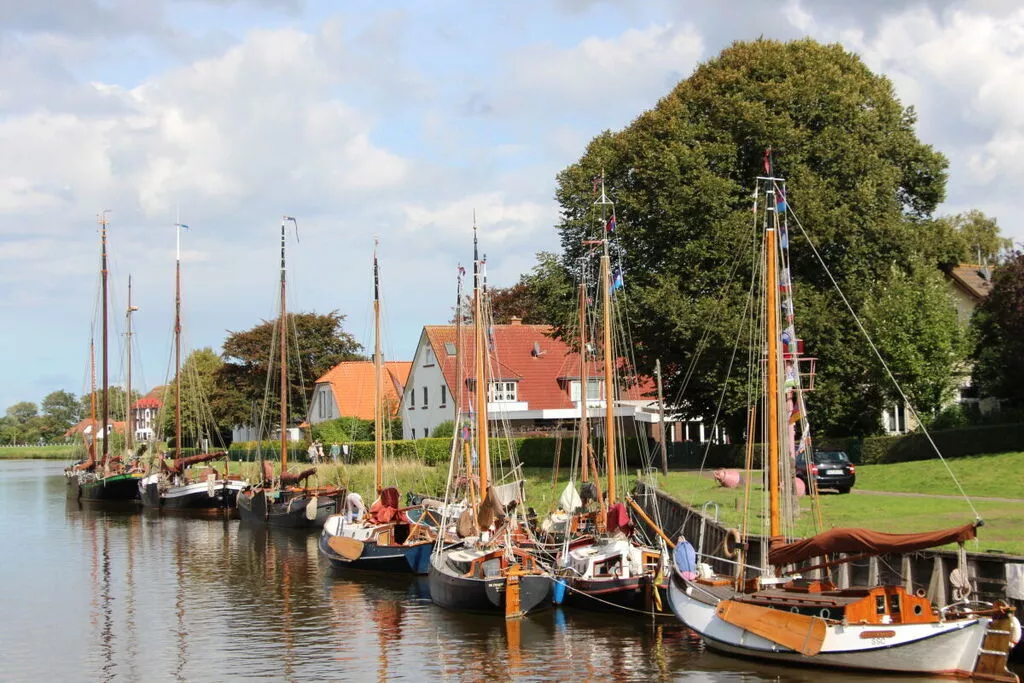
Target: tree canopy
[(198, 385), (681, 176), (316, 343), (999, 345)]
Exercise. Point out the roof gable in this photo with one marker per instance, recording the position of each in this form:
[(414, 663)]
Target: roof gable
[(352, 384)]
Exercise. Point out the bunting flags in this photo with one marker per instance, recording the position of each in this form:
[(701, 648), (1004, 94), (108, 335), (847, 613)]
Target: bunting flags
[(780, 201), (610, 225)]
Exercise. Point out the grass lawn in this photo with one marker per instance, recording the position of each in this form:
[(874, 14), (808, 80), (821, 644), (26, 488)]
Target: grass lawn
[(999, 476), (69, 452), (1004, 522)]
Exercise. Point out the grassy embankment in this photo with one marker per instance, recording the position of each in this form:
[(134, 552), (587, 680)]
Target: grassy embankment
[(40, 452), (999, 476)]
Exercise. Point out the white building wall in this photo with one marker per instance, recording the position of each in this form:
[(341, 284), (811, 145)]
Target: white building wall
[(323, 407), (419, 419)]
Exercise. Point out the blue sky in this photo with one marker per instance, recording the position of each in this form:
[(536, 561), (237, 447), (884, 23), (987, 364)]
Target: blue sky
[(388, 120)]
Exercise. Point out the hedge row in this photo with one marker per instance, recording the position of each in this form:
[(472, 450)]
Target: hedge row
[(952, 443)]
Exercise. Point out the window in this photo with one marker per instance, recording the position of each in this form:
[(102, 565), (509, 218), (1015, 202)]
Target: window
[(449, 348), (424, 397), (444, 396), (412, 400), (428, 358), (414, 433), (426, 432), (502, 392), (594, 392)]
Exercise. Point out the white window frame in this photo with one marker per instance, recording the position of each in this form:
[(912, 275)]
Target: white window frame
[(503, 391)]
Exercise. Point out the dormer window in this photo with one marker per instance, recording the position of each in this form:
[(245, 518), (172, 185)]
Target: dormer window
[(502, 392)]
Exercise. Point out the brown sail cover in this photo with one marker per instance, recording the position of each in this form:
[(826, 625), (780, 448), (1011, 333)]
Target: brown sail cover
[(864, 541), (178, 465)]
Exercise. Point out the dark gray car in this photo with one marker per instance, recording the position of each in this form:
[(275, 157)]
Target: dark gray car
[(831, 470)]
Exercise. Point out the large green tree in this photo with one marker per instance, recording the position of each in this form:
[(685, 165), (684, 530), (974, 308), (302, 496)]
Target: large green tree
[(999, 327), (63, 408), (536, 297), (681, 176), (117, 403), (248, 383), (198, 381)]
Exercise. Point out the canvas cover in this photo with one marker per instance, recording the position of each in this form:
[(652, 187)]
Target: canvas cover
[(864, 541)]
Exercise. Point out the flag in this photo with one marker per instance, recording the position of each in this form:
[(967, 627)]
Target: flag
[(617, 281), (768, 161), (610, 225), (462, 271), (595, 182), (794, 416), (780, 201)]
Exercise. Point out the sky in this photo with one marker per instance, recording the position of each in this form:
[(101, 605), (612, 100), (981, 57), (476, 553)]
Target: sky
[(380, 121)]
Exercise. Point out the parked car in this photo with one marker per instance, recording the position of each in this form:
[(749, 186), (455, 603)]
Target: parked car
[(830, 469)]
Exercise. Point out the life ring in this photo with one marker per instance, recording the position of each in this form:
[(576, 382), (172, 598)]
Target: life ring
[(1014, 631), (731, 551), (920, 592), (825, 613)]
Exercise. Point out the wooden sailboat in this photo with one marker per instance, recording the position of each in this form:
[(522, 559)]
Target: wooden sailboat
[(286, 500), (383, 538), (777, 611), (491, 572), (608, 566), (170, 486), (107, 480)]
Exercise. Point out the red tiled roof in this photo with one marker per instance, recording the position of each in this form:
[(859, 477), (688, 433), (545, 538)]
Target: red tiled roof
[(119, 427), (154, 399), (514, 358), (352, 384), (972, 279)]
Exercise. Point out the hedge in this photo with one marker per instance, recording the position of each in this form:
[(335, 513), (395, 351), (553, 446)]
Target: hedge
[(952, 443)]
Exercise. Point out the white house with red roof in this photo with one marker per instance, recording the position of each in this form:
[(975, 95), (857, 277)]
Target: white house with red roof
[(535, 382), (146, 412)]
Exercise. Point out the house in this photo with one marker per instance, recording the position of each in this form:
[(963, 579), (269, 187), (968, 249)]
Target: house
[(535, 384), (146, 412), (969, 285), (347, 390), (88, 426)]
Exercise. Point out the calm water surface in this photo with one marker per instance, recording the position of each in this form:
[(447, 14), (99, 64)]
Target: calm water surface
[(102, 596)]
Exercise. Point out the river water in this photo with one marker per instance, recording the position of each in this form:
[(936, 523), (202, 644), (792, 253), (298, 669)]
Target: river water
[(104, 596)]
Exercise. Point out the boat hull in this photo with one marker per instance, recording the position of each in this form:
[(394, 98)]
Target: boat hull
[(194, 496), (470, 594), (634, 594), (118, 488), (943, 648), (411, 559), (286, 511)]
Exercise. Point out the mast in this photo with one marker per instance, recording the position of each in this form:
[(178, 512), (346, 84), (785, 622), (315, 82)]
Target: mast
[(609, 386), (282, 335), (378, 387), (103, 275), (661, 420), (772, 416), (128, 334), (584, 382), (177, 342), (482, 383), (92, 398), (457, 397)]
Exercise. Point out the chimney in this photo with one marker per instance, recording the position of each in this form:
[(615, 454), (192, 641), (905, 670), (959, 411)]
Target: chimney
[(516, 320)]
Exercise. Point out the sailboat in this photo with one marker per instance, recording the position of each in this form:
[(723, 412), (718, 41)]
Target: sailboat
[(107, 480), (607, 565), (285, 500), (384, 538), (782, 610), (491, 572), (169, 487)]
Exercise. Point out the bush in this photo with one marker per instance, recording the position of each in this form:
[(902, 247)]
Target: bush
[(445, 430), (952, 443)]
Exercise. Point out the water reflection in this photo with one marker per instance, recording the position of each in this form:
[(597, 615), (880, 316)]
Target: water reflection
[(149, 597)]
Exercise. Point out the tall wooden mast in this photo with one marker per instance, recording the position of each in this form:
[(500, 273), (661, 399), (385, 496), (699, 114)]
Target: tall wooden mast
[(378, 386), (609, 378), (103, 277), (584, 383), (282, 339), (129, 442), (482, 383), (177, 340), (772, 415)]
